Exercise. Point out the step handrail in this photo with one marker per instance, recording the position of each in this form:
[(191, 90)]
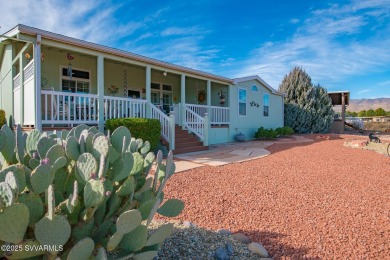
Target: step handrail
[(166, 130), (194, 122)]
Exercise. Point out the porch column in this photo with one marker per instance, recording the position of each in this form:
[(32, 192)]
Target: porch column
[(148, 91), (37, 78), (182, 99), (343, 111), (208, 96), (100, 88), (22, 63)]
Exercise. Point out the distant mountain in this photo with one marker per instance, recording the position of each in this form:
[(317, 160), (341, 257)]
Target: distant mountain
[(356, 105)]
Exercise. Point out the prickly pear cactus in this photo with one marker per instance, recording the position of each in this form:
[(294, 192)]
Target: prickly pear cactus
[(79, 194)]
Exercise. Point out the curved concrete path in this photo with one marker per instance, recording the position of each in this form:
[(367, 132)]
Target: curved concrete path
[(230, 153)]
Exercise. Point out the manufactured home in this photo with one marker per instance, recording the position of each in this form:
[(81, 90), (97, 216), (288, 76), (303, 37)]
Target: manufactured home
[(50, 81)]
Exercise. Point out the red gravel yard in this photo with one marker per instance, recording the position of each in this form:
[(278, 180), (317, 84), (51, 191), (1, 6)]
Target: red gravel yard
[(317, 200)]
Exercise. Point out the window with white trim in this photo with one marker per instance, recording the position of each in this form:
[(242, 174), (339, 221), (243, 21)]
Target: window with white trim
[(161, 95), (254, 88), (242, 102), (266, 105), (78, 82)]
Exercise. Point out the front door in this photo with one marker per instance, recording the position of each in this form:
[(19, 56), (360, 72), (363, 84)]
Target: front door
[(161, 96)]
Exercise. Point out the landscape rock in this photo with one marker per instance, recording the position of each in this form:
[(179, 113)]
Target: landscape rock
[(258, 249), (221, 254), (224, 231), (189, 224), (242, 238)]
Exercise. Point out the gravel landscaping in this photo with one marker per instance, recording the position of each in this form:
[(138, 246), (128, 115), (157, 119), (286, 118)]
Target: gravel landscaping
[(316, 200)]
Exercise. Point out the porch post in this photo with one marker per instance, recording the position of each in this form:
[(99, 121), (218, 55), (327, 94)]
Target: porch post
[(172, 131), (37, 66), (182, 99), (208, 96), (148, 91), (343, 111), (100, 87), (21, 73), (206, 128)]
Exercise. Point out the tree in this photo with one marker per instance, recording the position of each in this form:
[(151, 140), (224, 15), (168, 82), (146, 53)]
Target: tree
[(308, 108), (370, 112), (380, 112), (388, 113), (362, 113)]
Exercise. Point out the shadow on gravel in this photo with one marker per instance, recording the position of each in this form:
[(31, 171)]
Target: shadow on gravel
[(279, 147), (276, 248)]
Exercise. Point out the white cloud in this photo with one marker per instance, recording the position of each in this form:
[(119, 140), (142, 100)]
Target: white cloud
[(294, 21), (364, 91), (175, 31), (316, 47), (384, 83), (89, 20)]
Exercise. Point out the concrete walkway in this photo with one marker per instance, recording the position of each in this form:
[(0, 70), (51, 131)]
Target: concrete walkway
[(230, 153)]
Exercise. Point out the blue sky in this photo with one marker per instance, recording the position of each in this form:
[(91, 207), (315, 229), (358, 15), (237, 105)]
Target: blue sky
[(343, 45)]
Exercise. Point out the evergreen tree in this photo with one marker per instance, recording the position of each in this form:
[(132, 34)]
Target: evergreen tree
[(380, 112), (308, 108)]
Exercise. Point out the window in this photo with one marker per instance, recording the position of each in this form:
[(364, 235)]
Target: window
[(265, 104), (161, 96), (133, 93), (79, 82), (254, 89), (242, 102)]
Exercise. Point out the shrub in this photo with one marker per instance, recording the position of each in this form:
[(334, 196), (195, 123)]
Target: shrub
[(144, 128), (284, 131), (263, 133), (96, 190), (3, 120)]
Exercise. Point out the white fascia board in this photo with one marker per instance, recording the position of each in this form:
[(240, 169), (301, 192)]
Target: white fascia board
[(257, 78), (93, 46)]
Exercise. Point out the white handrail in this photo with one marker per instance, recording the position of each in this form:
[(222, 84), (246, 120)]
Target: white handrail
[(164, 120), (194, 122)]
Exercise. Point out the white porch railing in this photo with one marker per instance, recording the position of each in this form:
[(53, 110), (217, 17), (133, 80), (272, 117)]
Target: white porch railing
[(164, 121), (217, 115), (177, 112), (68, 108), (194, 122), (120, 107)]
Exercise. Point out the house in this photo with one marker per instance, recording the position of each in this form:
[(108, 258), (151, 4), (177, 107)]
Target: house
[(50, 80)]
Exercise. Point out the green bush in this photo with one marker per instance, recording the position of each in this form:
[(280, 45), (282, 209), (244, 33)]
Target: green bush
[(3, 120), (82, 195), (144, 128), (284, 131), (263, 133)]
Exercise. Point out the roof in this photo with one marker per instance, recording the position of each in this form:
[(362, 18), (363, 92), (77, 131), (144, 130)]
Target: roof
[(260, 80), (101, 48)]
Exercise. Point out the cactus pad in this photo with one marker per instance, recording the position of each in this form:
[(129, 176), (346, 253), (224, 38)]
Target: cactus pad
[(6, 195), (135, 240), (93, 193), (114, 241), (145, 255), (100, 147), (82, 250), (72, 148), (14, 222), (86, 166), (171, 208), (44, 144), (3, 140), (117, 139), (160, 234), (138, 163), (41, 178), (35, 206), (55, 232), (128, 221), (9, 147), (127, 187)]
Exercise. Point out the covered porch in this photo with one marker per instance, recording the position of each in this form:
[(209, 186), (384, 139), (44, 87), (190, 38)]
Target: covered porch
[(61, 85)]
